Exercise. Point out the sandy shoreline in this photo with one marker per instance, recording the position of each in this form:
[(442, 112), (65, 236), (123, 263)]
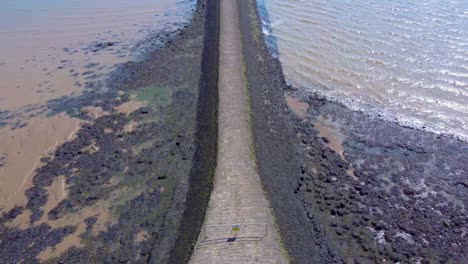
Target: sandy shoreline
[(347, 187)]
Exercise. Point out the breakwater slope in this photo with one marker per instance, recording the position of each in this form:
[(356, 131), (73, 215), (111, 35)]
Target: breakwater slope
[(274, 143), (206, 139), (239, 226)]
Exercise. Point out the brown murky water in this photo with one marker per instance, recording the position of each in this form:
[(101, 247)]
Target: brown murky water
[(330, 132), (48, 49), (298, 107), (404, 61), (51, 49)]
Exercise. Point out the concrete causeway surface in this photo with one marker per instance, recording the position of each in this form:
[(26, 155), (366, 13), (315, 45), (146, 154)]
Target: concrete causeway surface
[(239, 225)]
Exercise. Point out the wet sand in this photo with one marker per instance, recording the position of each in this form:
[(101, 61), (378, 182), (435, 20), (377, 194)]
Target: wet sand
[(350, 188), (22, 150)]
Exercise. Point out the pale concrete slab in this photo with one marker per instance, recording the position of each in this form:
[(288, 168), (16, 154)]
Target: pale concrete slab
[(237, 197)]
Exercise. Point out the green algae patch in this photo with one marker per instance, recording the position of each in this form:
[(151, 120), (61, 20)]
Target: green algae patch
[(154, 96)]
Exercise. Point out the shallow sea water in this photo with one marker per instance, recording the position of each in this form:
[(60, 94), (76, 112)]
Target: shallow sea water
[(48, 46), (405, 61), (53, 49)]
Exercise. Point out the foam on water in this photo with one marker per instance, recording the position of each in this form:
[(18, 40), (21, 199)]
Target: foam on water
[(403, 61)]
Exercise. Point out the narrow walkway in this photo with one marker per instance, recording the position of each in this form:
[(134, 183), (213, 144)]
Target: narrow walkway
[(239, 226)]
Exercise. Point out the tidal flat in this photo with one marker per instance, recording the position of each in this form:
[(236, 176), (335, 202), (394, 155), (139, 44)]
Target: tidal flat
[(116, 190)]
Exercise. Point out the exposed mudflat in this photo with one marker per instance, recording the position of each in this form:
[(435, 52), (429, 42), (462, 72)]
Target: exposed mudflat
[(115, 192), (348, 188)]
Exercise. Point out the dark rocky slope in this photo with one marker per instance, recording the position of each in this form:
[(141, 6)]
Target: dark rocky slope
[(346, 187)]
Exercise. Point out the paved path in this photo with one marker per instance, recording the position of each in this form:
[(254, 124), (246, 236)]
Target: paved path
[(237, 197)]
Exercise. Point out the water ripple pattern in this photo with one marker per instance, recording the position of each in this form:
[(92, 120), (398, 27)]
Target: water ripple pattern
[(403, 60)]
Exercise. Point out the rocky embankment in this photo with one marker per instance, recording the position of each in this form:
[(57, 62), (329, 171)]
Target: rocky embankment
[(382, 191)]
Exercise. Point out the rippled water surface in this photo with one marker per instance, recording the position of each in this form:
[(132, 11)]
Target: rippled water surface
[(404, 60)]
